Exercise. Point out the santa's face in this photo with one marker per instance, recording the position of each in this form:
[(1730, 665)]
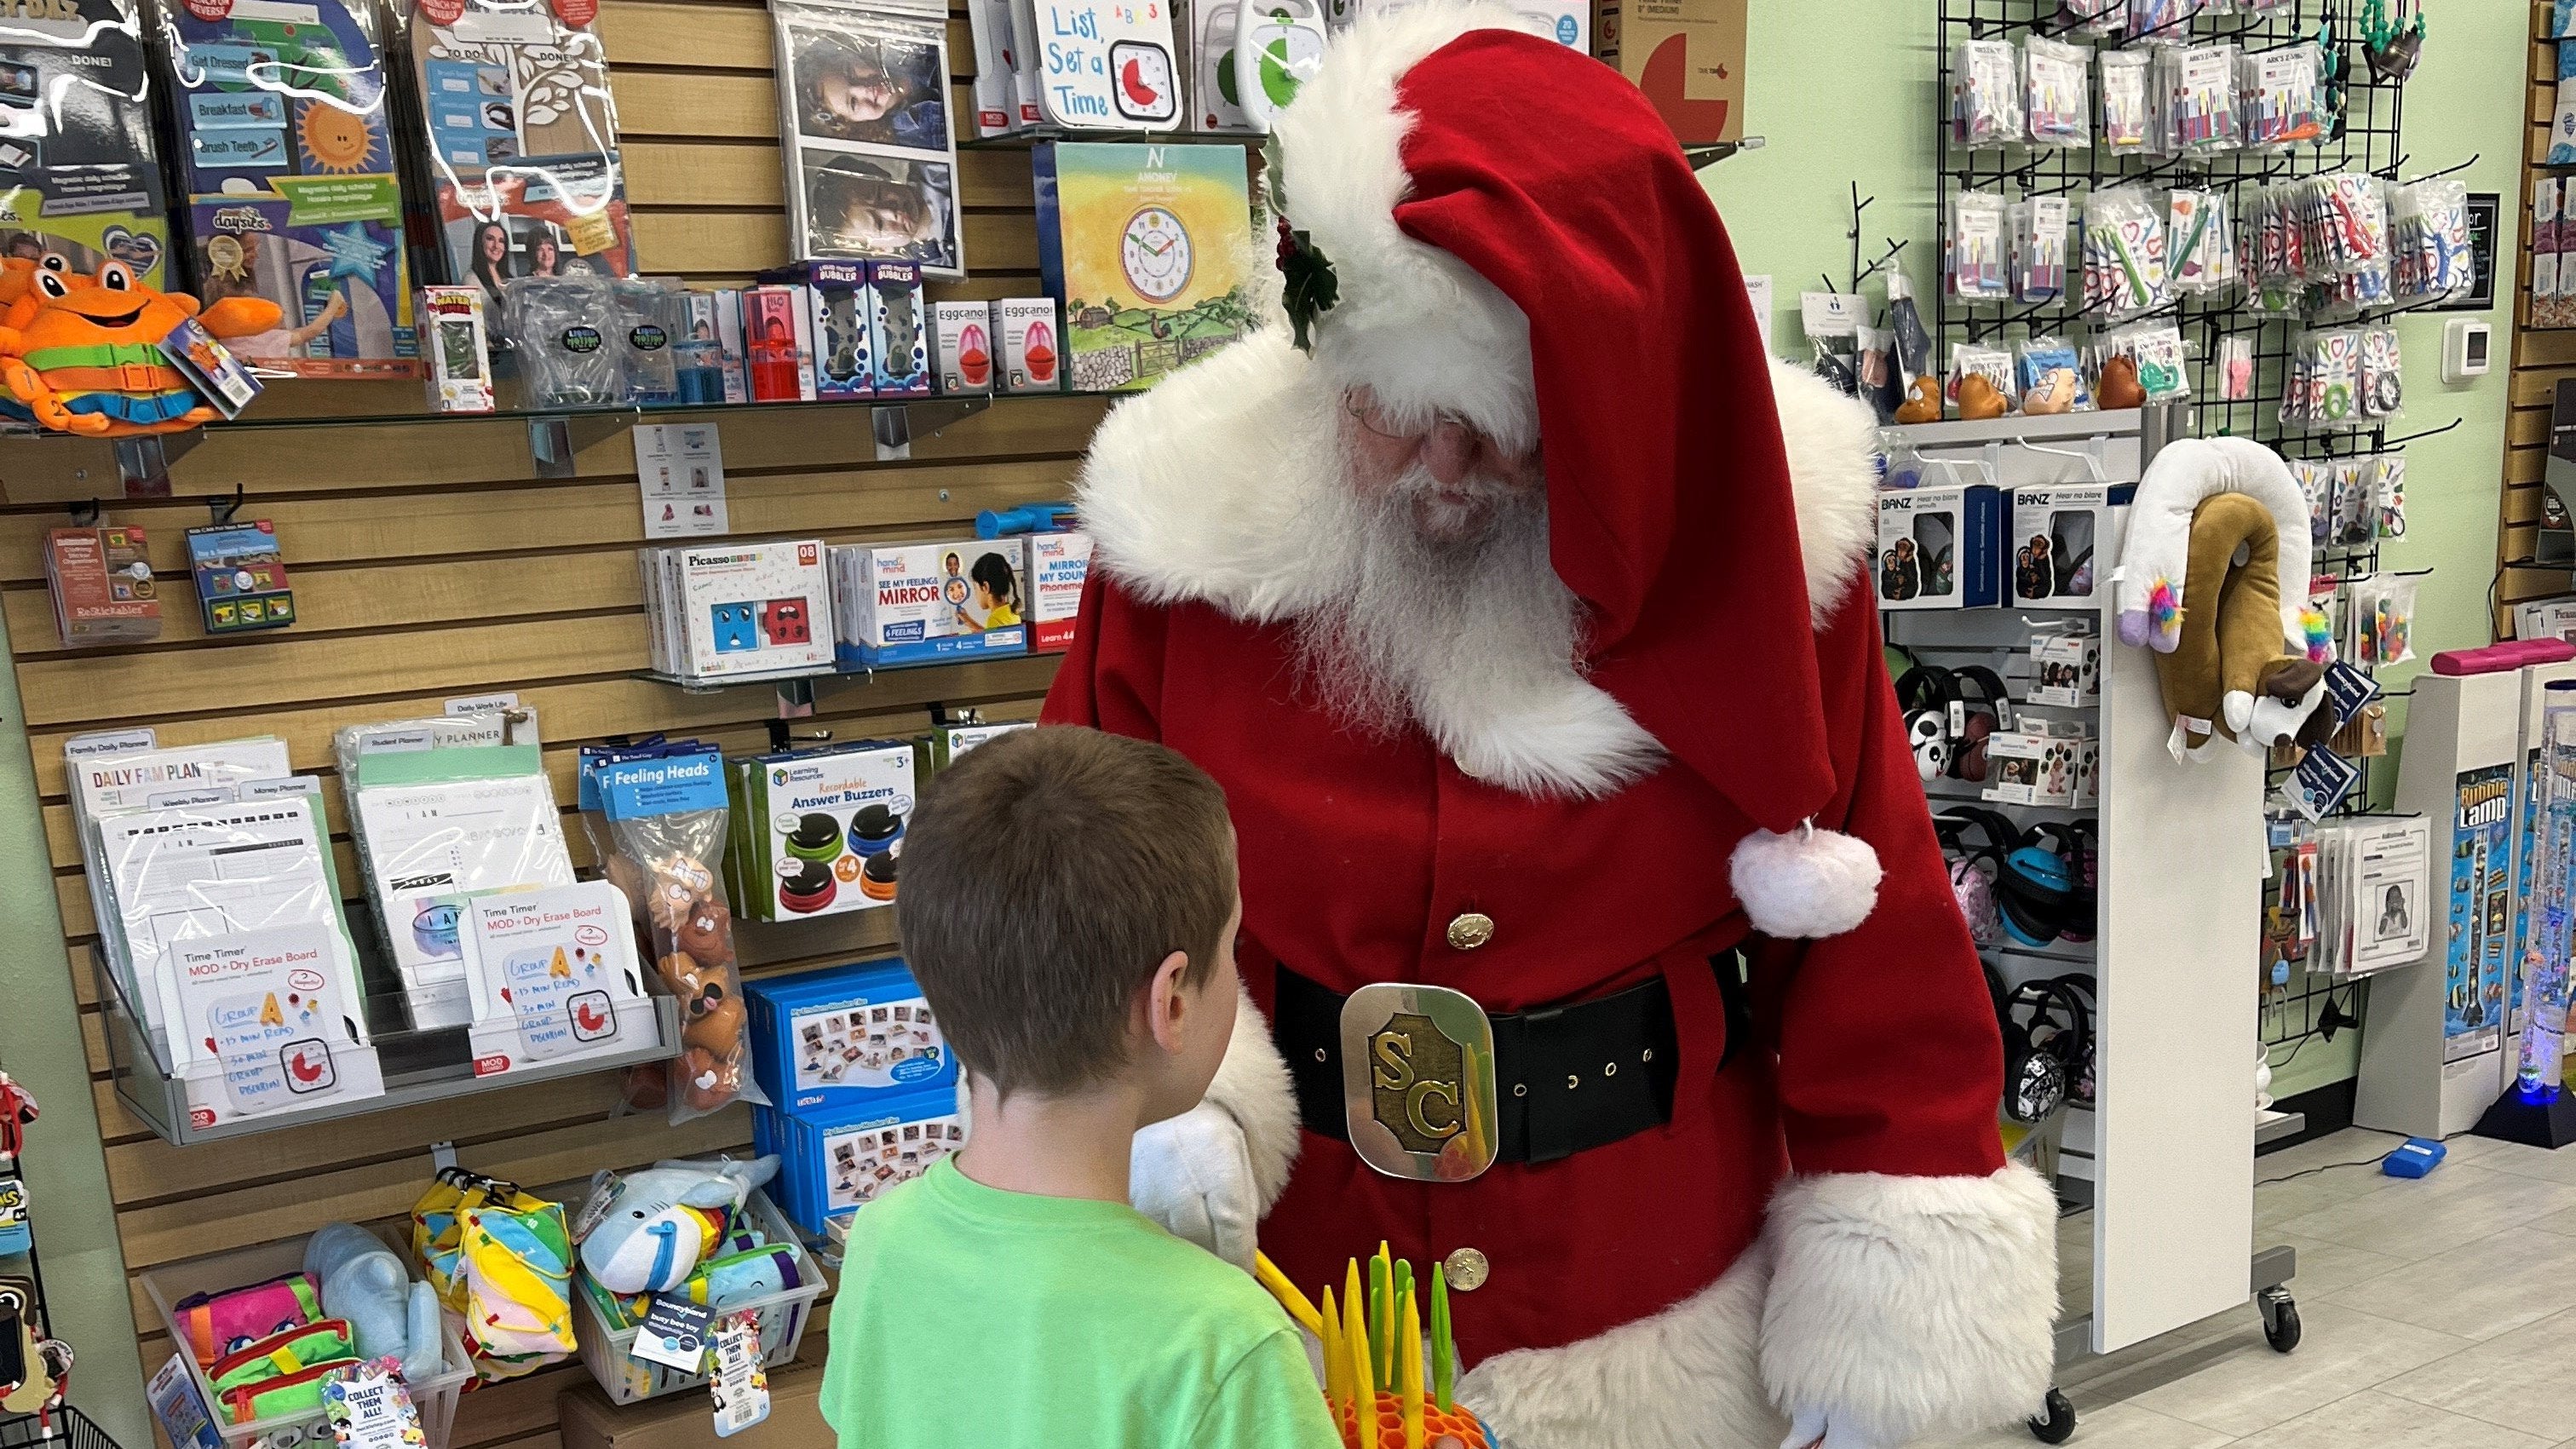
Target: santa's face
[(1453, 479)]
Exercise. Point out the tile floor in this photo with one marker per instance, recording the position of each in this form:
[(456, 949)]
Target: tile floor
[(2438, 1314)]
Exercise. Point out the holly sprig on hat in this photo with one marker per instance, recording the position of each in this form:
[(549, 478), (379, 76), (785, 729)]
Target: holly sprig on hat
[(1311, 286)]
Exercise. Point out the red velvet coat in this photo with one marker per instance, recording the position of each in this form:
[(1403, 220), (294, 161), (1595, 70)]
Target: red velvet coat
[(1875, 1051)]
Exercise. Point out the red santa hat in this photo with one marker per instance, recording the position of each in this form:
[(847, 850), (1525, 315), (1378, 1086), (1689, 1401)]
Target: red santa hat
[(1513, 236)]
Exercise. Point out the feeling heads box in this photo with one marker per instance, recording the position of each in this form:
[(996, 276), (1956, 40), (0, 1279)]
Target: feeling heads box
[(844, 1037), (748, 607), (910, 602), (819, 831)]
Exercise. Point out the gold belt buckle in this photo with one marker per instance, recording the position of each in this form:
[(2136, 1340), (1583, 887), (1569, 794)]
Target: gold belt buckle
[(1418, 1081)]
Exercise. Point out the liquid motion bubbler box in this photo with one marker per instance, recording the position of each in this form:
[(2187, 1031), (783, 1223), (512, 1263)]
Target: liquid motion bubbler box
[(819, 832), (844, 1037), (912, 602)]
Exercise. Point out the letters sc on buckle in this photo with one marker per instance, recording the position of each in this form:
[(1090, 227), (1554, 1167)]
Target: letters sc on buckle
[(1418, 1081)]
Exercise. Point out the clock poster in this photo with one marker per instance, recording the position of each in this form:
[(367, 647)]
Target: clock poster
[(871, 157), (1146, 247)]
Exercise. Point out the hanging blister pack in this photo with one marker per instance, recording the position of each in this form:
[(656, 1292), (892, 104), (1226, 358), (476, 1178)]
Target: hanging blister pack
[(2281, 96), (2383, 374), (2354, 492), (2392, 494), (2155, 349), (1991, 363), (1985, 94), (2124, 252), (2057, 99), (2236, 368), (2038, 248), (1973, 253), (2160, 19), (2196, 92), (2428, 241), (2052, 381), (2200, 256), (2127, 118), (2315, 477)]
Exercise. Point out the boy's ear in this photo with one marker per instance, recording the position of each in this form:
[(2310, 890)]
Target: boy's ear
[(1166, 1000)]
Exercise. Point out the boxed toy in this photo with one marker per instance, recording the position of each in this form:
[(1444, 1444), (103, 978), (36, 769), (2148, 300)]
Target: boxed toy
[(745, 608), (241, 578), (818, 831), (897, 340), (833, 325), (710, 365), (964, 344), (2065, 667), (906, 603), (1686, 55), (2060, 546), (940, 748), (834, 1163), (1058, 565), (459, 351), (101, 581), (79, 162), (778, 342), (290, 178), (1940, 548), (844, 1036), (1031, 356), (1147, 249)]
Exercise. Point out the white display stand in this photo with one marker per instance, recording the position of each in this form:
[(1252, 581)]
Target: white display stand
[(2416, 1077), (2171, 1137)]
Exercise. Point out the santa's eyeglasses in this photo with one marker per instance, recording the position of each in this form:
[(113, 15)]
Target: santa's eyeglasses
[(1369, 413)]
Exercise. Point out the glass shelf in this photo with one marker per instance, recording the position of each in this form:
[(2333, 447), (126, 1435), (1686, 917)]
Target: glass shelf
[(1027, 140), (327, 402), (418, 1064), (802, 681)]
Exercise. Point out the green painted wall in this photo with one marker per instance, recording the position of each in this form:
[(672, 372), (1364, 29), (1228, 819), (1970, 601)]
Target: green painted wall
[(1843, 91)]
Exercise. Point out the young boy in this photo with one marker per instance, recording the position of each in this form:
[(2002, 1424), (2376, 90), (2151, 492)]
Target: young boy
[(1069, 906)]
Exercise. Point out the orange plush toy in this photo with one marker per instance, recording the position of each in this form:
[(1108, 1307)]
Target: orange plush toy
[(82, 355)]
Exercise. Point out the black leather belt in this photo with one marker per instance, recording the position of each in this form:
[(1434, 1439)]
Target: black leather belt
[(1568, 1078)]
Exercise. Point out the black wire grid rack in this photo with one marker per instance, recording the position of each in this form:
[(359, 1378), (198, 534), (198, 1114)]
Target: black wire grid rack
[(2365, 134)]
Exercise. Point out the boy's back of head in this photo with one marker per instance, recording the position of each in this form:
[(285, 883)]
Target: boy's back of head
[(1046, 877)]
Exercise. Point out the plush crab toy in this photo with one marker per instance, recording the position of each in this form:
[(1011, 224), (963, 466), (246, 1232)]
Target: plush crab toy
[(83, 355)]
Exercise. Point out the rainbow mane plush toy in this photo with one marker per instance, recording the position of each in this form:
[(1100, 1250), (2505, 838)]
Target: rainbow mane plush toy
[(1374, 1378), (83, 355)]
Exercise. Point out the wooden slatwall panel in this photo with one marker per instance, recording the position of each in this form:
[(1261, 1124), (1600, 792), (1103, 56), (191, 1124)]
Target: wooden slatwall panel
[(2540, 361), (428, 564)]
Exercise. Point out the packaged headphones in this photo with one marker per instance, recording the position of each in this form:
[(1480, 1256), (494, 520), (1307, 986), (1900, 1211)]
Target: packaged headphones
[(2048, 1042), (1973, 868), (1946, 725), (2043, 877)]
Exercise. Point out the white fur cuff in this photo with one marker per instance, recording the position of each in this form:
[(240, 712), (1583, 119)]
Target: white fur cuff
[(1905, 1307), (1252, 1086)]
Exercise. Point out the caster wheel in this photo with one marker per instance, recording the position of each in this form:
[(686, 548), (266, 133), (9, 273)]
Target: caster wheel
[(2280, 1321), (2057, 1424)]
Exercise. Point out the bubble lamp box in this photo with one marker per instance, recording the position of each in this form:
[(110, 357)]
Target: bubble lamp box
[(964, 341), (1146, 248), (1058, 565), (241, 579), (820, 831), (897, 338), (2062, 546), (844, 1036), (1939, 548), (835, 1163), (833, 325), (746, 608), (910, 603)]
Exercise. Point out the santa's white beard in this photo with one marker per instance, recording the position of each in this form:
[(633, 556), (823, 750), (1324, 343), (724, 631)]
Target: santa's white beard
[(1449, 616)]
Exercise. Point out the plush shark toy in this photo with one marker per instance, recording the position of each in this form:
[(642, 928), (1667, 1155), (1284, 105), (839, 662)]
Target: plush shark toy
[(645, 1232)]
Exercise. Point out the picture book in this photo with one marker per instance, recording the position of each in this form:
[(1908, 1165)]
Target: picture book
[(1145, 246)]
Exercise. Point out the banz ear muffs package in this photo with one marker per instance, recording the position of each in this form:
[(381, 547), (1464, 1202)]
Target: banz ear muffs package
[(810, 826), (2061, 546), (1938, 548)]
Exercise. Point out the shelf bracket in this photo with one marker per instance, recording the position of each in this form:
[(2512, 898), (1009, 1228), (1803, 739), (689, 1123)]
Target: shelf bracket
[(894, 432), (442, 1157)]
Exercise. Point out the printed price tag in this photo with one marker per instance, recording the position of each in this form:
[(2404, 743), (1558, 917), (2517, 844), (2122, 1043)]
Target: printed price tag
[(370, 1409), (741, 1388), (674, 1335)]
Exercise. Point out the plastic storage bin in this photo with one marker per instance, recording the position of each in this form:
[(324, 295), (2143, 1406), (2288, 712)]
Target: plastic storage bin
[(783, 1315), (173, 1282)]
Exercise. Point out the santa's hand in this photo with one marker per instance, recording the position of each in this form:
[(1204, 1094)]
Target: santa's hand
[(1193, 1174), (1808, 1429)]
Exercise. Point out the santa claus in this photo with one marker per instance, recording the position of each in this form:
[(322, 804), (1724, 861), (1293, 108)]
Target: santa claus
[(1607, 954)]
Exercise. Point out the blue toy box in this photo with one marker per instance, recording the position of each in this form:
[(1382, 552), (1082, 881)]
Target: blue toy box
[(833, 1164), (844, 1037)]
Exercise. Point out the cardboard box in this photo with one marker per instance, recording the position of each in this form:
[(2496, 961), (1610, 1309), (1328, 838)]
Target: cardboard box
[(964, 336), (1939, 548), (745, 608), (897, 337), (1058, 565), (834, 326), (1686, 55), (844, 1037), (2061, 546), (939, 749), (458, 350), (910, 603), (819, 830), (102, 585), (1147, 248), (1032, 347), (835, 1163), (779, 338)]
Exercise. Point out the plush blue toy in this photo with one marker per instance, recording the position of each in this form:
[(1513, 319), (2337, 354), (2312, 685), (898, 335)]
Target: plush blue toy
[(389, 1315), (647, 1231)]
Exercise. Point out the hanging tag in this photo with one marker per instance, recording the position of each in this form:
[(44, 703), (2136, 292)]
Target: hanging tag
[(2348, 689), (741, 1389), (370, 1409), (2320, 782), (674, 1334)]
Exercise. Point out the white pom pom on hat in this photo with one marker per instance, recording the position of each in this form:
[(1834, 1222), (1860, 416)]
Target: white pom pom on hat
[(1806, 883)]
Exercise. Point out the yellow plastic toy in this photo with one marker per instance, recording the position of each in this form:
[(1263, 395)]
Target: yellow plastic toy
[(1375, 1379)]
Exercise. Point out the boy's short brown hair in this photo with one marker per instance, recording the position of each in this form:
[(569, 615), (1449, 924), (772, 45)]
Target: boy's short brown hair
[(1045, 878)]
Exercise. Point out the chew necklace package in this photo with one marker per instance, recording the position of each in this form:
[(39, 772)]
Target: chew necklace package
[(905, 603), (818, 832)]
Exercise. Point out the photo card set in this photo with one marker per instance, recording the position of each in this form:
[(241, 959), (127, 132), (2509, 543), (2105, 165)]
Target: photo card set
[(523, 148), (869, 147)]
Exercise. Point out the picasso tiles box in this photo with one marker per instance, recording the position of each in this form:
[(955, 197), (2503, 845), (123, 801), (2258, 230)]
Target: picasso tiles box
[(1146, 247)]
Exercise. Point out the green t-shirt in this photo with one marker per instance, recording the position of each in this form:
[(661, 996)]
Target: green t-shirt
[(981, 1319)]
